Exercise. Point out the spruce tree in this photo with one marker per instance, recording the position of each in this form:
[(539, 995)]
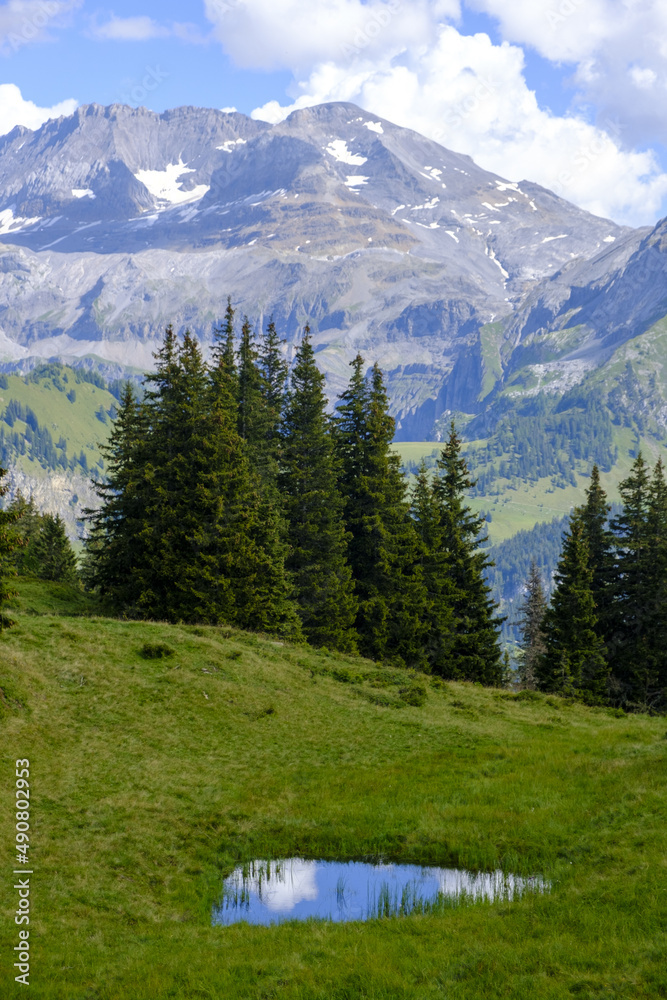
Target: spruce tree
[(211, 549), (635, 682), (178, 572), (383, 546), (113, 553), (531, 612), (437, 612), (8, 544), (253, 418), (53, 551), (184, 531), (258, 418), (27, 530), (599, 538), (224, 353), (252, 543), (317, 559), (657, 612), (573, 662), (274, 372), (475, 649)]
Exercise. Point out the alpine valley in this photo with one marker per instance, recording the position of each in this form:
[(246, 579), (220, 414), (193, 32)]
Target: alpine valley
[(540, 328)]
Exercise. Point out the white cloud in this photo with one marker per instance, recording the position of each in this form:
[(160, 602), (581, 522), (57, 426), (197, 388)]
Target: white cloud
[(14, 110), (130, 29), (25, 21), (263, 34), (618, 52), (411, 65), (561, 30), (142, 28)]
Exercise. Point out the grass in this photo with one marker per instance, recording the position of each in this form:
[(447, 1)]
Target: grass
[(152, 778)]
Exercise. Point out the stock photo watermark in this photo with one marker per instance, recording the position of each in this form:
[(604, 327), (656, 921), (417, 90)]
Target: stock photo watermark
[(374, 26), (223, 7), (135, 92), (556, 16), (21, 873), (31, 27), (588, 153)]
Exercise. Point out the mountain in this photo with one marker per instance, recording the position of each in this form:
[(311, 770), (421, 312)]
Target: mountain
[(115, 221)]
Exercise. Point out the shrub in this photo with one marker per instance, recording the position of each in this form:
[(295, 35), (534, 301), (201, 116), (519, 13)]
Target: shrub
[(415, 694), (155, 650)]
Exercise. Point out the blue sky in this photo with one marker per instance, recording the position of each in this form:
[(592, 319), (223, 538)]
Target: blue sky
[(568, 93)]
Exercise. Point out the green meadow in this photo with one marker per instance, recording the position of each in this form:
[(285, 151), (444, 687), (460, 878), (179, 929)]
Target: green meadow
[(161, 756)]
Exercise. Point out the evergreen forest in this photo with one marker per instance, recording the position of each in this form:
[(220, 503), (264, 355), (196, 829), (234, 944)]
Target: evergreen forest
[(232, 495), (602, 637)]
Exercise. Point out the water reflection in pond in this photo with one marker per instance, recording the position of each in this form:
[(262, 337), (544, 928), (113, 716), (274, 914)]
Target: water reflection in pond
[(264, 892)]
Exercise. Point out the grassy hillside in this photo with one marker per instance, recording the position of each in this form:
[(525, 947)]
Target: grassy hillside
[(63, 408), (152, 778)]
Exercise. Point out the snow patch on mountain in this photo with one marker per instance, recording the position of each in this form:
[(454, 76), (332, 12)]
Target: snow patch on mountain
[(11, 223), (427, 205), (338, 149), (165, 184), (506, 186), (229, 145)]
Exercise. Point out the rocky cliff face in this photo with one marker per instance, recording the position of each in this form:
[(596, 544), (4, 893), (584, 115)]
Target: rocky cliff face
[(116, 221)]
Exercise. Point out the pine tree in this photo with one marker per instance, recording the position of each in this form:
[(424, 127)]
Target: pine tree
[(253, 418), (113, 554), (274, 372), (224, 354), (259, 407), (317, 559), (27, 530), (178, 572), (437, 612), (573, 662), (183, 521), (383, 546), (8, 543), (636, 580), (475, 650), (506, 673), (599, 538), (657, 612), (53, 551), (531, 612)]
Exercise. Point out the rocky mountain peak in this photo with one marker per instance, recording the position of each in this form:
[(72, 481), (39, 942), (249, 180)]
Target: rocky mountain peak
[(117, 220)]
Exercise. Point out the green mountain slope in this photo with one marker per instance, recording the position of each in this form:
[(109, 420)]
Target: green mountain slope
[(53, 420), (151, 778)]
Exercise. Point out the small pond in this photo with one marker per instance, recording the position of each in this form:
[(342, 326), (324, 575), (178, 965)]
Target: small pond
[(266, 892)]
